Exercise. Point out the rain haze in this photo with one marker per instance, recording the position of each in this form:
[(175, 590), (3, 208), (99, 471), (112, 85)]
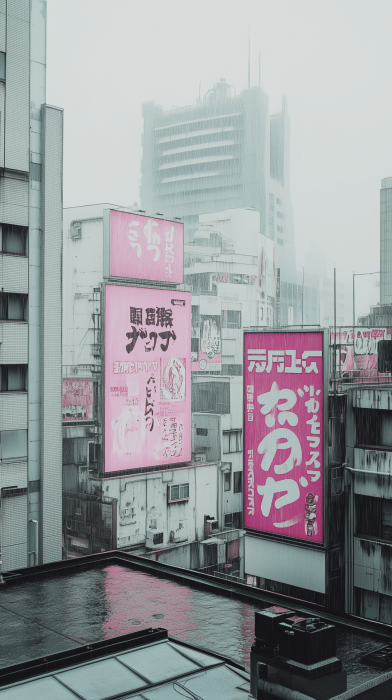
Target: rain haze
[(331, 60)]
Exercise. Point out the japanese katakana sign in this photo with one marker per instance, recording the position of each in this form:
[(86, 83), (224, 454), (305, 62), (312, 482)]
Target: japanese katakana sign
[(147, 377), (283, 433), (141, 247)]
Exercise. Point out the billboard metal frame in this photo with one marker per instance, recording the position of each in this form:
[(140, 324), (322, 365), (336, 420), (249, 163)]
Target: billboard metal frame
[(295, 541)]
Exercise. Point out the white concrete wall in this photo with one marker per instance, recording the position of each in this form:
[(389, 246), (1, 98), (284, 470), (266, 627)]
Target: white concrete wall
[(142, 498)]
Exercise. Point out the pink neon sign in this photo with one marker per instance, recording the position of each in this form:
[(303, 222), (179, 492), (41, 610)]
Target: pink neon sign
[(283, 434), (147, 377), (146, 248)]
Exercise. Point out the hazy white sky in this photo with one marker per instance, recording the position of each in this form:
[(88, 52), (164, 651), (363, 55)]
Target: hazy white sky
[(332, 58)]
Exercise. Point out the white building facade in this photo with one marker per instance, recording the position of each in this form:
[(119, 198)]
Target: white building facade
[(31, 172)]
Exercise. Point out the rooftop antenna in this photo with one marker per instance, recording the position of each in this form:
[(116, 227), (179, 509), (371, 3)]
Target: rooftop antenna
[(248, 56)]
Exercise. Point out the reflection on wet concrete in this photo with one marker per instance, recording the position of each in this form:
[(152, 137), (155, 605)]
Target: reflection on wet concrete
[(57, 614)]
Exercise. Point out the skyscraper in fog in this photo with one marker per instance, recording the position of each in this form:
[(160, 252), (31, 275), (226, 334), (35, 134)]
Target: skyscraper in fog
[(224, 152), (31, 203)]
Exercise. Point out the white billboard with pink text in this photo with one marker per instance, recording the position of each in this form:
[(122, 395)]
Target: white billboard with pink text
[(283, 433), (147, 377), (142, 247)]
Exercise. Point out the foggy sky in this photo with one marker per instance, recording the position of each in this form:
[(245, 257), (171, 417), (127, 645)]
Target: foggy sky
[(332, 58)]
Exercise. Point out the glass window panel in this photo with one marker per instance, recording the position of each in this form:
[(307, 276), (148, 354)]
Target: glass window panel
[(2, 65), (158, 663), (16, 378), (101, 679), (226, 443), (15, 307), (184, 491), (218, 683), (199, 657), (41, 689), (175, 493), (13, 443), (227, 481)]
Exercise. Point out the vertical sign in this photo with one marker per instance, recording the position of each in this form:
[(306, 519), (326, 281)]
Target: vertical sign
[(283, 433), (147, 377), (207, 351), (140, 247)]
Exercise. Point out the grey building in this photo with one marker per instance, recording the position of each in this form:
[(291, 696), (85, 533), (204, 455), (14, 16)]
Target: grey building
[(31, 172), (224, 152)]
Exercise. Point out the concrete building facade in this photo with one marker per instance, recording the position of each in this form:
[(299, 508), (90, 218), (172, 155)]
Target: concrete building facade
[(225, 152), (31, 172)]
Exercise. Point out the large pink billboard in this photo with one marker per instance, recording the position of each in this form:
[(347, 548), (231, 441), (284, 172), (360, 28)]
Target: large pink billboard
[(145, 248), (147, 377), (283, 433)]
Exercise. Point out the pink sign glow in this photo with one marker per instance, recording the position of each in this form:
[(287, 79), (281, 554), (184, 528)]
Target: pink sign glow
[(283, 434), (147, 377), (145, 248), (78, 399)]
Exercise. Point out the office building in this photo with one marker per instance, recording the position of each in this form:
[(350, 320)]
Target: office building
[(224, 152), (31, 172)]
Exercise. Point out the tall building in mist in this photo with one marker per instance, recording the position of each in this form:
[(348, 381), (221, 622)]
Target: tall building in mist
[(224, 152), (31, 171)]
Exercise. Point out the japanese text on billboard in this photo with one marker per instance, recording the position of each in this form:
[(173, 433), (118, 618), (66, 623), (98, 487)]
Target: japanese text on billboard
[(147, 377), (145, 248), (283, 443)]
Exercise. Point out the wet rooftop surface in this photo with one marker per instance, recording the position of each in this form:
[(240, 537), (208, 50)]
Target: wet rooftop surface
[(57, 614)]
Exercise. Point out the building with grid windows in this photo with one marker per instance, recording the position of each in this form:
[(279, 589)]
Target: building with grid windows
[(31, 167), (225, 152)]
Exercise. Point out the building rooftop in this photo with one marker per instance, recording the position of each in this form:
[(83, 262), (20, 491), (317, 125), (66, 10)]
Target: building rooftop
[(58, 608)]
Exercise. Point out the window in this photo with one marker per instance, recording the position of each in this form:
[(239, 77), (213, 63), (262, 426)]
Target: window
[(13, 444), (232, 441), (234, 520), (231, 318), (2, 65), (201, 431), (280, 241), (158, 538), (280, 229), (227, 481), (280, 215), (13, 307), (237, 482), (279, 201), (178, 492), (13, 239), (13, 378)]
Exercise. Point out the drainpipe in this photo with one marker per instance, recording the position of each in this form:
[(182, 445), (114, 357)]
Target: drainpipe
[(35, 523)]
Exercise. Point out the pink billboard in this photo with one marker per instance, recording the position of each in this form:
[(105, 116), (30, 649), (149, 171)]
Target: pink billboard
[(145, 248), (78, 399), (283, 433), (147, 377)]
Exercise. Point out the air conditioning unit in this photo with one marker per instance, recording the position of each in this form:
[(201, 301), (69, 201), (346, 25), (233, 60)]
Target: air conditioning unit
[(76, 230), (210, 527), (200, 457), (154, 539)]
